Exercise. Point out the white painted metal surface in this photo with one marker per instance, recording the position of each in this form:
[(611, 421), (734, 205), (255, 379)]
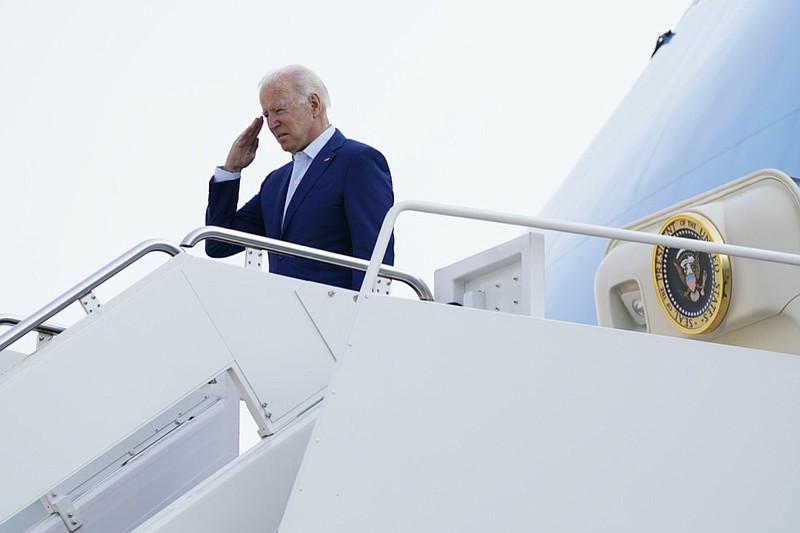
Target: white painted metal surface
[(162, 468), (247, 495), (508, 278), (9, 359), (268, 323), (101, 380), (438, 417), (477, 421)]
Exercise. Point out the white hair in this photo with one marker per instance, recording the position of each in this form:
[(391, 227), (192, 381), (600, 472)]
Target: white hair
[(304, 80)]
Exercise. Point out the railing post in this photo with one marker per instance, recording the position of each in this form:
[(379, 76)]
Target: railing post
[(85, 287)]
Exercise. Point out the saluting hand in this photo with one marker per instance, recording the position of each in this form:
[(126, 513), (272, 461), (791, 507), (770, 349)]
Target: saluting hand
[(243, 150)]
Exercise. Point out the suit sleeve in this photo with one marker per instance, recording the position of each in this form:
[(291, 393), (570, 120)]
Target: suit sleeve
[(221, 211), (368, 195)]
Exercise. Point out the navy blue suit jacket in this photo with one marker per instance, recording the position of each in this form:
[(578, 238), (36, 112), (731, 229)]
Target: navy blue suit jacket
[(339, 206)]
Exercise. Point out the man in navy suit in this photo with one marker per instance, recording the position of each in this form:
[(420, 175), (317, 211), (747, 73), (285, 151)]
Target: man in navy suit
[(332, 196)]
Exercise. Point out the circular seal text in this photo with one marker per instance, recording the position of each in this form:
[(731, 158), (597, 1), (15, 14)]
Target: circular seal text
[(693, 288)]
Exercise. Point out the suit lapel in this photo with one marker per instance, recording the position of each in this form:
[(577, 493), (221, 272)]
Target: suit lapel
[(312, 176), (279, 200)]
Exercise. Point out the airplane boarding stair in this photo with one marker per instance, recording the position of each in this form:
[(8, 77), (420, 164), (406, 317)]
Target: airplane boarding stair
[(166, 339), (154, 376), (390, 414)]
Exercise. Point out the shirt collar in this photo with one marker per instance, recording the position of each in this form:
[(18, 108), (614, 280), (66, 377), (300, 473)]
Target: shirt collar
[(316, 145)]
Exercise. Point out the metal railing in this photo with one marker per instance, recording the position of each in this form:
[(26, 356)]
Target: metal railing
[(46, 328), (373, 267), (37, 319), (579, 228), (36, 322), (282, 247)]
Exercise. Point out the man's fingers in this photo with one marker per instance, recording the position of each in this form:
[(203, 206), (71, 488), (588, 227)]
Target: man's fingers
[(243, 149), (252, 130)]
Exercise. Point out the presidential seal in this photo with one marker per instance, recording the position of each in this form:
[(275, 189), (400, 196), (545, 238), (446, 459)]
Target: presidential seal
[(693, 288)]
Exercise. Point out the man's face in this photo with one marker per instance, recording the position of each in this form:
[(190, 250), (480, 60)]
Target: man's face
[(292, 123)]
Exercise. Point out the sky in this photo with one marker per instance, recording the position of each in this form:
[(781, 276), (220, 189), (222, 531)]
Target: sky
[(113, 115)]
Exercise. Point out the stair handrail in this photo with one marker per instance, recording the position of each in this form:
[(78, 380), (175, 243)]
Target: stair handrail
[(47, 328), (84, 287), (563, 226), (274, 245)]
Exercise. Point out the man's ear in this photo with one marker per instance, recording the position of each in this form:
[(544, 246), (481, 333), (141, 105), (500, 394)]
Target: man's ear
[(313, 99)]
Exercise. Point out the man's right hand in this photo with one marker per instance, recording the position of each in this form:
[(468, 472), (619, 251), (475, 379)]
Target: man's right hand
[(244, 147)]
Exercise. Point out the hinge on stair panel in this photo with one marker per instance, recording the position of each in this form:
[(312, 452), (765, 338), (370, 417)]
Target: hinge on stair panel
[(382, 286), (89, 302), (58, 503), (253, 258), (43, 338)]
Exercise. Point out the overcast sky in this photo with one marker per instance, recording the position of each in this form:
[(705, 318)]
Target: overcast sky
[(114, 114)]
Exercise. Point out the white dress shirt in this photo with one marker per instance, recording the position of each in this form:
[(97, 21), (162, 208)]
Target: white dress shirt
[(300, 163)]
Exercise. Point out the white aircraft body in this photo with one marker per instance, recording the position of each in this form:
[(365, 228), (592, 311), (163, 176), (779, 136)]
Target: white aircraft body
[(628, 363)]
